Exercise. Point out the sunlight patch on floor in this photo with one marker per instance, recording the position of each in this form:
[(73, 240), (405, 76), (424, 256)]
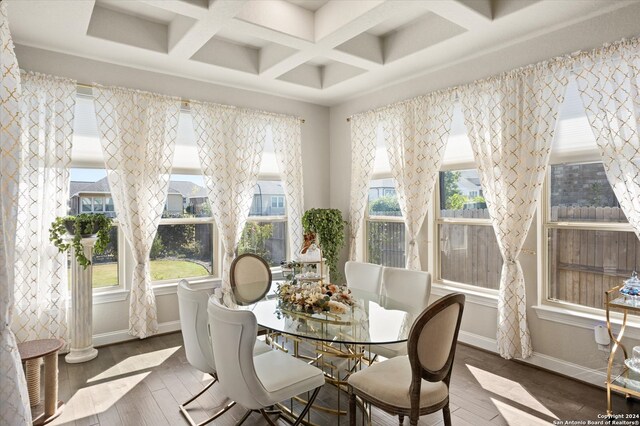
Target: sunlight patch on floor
[(136, 363), (508, 389), (97, 398), (516, 417)]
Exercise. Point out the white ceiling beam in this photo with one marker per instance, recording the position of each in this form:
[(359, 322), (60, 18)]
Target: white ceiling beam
[(219, 14), (371, 14), (269, 34)]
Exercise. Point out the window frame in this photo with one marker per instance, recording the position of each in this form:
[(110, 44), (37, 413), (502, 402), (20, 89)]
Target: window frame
[(545, 226), (121, 265), (367, 218), (437, 241), (215, 251), (274, 218)]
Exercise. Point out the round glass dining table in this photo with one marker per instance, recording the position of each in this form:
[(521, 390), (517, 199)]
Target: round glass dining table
[(373, 319)]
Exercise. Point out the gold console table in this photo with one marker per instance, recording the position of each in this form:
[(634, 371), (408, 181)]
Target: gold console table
[(628, 381)]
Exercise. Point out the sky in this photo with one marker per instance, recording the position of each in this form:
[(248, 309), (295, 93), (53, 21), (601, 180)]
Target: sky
[(93, 175)]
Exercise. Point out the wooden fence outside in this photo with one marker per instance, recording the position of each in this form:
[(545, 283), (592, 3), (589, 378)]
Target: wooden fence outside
[(469, 254), (586, 263)]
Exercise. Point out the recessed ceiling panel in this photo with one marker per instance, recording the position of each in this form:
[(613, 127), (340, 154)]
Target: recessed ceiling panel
[(229, 55), (311, 5), (420, 34), (127, 29), (139, 9)]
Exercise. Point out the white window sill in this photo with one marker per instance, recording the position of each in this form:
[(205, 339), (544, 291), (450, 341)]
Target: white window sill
[(109, 296), (476, 297), (168, 287), (587, 320)]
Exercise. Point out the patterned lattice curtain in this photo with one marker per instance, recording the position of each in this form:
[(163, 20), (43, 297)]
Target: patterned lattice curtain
[(364, 134), (288, 147), (41, 291), (510, 120), (416, 133), (138, 132), (609, 85), (13, 391), (230, 145)]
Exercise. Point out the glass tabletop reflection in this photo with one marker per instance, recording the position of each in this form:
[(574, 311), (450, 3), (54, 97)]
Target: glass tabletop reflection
[(374, 319)]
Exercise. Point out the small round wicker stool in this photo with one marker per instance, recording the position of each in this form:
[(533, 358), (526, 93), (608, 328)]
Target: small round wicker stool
[(31, 353)]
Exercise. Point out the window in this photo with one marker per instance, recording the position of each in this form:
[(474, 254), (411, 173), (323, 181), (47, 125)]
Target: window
[(87, 206), (468, 250), (385, 231), (277, 202), (590, 245), (265, 232), (183, 246), (107, 267)]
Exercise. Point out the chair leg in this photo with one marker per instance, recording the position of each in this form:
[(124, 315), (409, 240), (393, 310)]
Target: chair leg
[(266, 416), (307, 407), (183, 407), (352, 409), (244, 418), (400, 419), (446, 414)]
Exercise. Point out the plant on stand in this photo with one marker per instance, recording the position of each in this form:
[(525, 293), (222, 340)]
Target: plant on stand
[(80, 226), (328, 225)]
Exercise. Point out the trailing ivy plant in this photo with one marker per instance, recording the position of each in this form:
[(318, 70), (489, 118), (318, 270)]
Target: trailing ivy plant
[(83, 224), (328, 225)]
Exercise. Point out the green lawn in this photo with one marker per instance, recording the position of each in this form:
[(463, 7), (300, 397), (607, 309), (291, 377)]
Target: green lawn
[(106, 274)]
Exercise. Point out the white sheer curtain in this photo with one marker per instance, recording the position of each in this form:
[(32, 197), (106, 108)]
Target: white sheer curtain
[(288, 148), (13, 391), (609, 85), (364, 134), (138, 132), (41, 290), (416, 133), (510, 120), (230, 144)]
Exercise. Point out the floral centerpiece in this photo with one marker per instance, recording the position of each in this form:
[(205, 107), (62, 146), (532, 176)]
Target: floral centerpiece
[(314, 298)]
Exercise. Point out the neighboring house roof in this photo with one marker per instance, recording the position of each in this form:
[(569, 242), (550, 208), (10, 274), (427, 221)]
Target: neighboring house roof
[(101, 187), (269, 188), (186, 188), (77, 186)]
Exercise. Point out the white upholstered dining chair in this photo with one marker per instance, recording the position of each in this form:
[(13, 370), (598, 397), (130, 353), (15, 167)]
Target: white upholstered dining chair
[(407, 287), (363, 276), (416, 384), (194, 322), (262, 381)]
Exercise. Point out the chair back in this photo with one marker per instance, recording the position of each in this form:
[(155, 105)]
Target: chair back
[(250, 278), (363, 276), (407, 286), (194, 322), (433, 337), (236, 370)]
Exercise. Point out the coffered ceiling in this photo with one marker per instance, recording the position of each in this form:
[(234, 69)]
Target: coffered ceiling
[(323, 51)]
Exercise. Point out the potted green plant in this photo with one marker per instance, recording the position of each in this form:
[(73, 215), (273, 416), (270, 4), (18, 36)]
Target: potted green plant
[(80, 226), (328, 225)]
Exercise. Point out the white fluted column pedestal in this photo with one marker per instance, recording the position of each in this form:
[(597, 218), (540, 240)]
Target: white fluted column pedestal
[(81, 331)]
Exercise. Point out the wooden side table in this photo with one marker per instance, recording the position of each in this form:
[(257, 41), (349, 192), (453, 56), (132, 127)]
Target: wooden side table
[(31, 353)]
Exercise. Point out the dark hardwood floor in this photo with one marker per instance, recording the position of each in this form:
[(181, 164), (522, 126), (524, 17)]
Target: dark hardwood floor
[(140, 383)]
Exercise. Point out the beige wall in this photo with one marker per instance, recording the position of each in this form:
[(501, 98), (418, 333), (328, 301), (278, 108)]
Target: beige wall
[(111, 318), (552, 341), (174, 203)]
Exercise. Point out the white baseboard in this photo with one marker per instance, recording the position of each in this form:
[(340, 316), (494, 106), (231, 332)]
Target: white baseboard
[(118, 336), (588, 375)]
